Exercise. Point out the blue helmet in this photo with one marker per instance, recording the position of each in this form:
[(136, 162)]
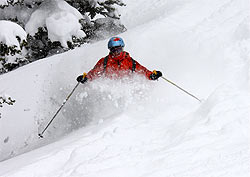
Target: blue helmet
[(115, 42)]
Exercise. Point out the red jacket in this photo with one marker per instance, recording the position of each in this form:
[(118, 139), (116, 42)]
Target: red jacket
[(117, 67)]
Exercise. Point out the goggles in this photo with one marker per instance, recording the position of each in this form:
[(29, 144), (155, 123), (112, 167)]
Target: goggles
[(116, 50)]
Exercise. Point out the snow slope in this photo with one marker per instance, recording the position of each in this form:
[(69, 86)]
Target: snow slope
[(140, 128)]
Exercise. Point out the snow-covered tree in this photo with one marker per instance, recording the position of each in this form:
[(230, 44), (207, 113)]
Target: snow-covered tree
[(12, 39), (54, 26), (99, 28), (95, 7), (5, 3), (4, 99)]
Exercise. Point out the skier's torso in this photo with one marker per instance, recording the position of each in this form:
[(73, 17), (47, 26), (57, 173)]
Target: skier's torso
[(117, 67)]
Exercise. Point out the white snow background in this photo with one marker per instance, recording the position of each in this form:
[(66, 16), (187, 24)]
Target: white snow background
[(139, 128)]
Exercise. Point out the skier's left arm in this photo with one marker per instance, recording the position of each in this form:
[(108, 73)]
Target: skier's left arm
[(149, 74)]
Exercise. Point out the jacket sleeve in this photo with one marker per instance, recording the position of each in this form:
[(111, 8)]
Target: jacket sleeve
[(143, 70), (97, 71)]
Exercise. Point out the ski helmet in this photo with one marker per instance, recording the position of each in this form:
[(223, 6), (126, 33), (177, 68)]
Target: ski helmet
[(115, 42)]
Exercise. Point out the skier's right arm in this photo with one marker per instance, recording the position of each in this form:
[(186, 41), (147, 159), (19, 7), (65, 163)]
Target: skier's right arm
[(92, 74), (97, 71)]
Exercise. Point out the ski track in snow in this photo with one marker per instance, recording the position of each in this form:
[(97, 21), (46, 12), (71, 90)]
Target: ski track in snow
[(166, 134)]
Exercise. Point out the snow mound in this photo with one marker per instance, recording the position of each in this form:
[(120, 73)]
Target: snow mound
[(60, 19), (9, 33)]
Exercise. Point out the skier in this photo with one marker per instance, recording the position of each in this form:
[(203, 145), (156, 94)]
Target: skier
[(117, 64)]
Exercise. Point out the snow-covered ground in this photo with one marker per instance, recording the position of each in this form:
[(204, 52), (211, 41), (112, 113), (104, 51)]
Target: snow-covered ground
[(136, 127)]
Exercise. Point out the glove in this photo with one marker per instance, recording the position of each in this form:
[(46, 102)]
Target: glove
[(82, 78), (155, 75)]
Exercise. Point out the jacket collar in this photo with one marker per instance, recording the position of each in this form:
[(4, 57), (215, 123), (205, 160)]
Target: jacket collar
[(119, 57)]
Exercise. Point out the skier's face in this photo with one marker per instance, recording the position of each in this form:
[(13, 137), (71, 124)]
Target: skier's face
[(116, 50)]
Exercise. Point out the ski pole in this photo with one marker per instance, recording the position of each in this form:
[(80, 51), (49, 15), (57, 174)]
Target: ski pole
[(41, 134), (181, 88)]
